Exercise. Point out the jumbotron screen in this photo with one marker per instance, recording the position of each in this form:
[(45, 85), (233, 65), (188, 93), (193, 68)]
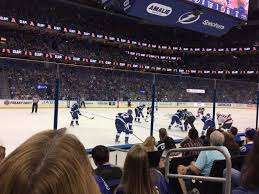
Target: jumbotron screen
[(235, 8)]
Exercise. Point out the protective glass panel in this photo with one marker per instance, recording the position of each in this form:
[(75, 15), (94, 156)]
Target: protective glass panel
[(100, 105), (23, 82), (236, 102), (183, 102)]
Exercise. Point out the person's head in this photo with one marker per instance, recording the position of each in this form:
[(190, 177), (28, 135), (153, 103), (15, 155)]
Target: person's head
[(2, 153), (169, 143), (129, 112), (250, 133), (162, 134), (100, 155), (136, 178), (250, 175), (229, 140), (50, 162), (209, 132), (193, 134), (233, 131), (149, 144), (216, 138)]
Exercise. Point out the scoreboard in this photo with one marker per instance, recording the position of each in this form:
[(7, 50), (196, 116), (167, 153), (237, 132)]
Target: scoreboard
[(213, 17), (235, 8)]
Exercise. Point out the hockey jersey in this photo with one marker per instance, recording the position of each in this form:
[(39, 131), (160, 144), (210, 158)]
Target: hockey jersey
[(126, 119), (224, 119), (75, 108)]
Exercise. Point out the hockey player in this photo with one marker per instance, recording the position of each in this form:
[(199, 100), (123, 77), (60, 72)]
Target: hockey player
[(208, 123), (123, 123), (139, 112), (188, 119), (200, 112), (176, 118), (74, 113), (225, 121), (149, 110)]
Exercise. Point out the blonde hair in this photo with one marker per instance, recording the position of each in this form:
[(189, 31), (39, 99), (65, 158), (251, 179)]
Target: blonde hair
[(149, 144), (136, 178), (50, 162)]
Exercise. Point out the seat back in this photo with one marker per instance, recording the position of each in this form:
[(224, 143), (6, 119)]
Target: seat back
[(154, 158), (174, 163)]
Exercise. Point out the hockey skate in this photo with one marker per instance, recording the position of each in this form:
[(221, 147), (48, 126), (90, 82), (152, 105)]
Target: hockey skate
[(72, 124), (117, 139), (77, 123)]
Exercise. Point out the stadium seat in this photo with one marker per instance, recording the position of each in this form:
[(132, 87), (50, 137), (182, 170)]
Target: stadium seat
[(154, 158), (174, 163), (217, 171)]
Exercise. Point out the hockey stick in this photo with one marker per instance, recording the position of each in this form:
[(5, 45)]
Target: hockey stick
[(88, 117), (137, 137)]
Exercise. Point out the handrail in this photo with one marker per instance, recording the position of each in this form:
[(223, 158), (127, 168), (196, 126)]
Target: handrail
[(226, 180), (117, 149)]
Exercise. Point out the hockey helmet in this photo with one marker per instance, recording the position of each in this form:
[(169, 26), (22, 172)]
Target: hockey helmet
[(129, 112)]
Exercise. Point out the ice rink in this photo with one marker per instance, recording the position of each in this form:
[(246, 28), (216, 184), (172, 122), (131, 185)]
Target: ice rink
[(19, 124)]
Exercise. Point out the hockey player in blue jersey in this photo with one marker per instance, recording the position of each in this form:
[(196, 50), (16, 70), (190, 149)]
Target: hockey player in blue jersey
[(74, 113), (208, 123), (176, 118), (123, 123), (139, 112)]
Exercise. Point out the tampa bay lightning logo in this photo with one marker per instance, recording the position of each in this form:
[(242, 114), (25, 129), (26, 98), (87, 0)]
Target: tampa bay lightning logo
[(188, 18)]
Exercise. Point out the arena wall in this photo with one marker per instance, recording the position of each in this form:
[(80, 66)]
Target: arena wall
[(7, 103)]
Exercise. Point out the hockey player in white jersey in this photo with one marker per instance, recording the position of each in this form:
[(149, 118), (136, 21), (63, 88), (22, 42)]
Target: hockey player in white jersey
[(200, 112), (225, 121)]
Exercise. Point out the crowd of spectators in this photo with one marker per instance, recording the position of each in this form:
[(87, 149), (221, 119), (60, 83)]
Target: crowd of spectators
[(55, 162), (72, 46), (111, 85)]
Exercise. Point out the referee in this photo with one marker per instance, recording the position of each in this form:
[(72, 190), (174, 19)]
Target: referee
[(35, 101)]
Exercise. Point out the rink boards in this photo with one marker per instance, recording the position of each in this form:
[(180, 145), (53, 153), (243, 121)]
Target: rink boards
[(7, 103)]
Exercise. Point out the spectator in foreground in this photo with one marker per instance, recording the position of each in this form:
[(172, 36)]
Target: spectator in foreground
[(110, 174), (249, 174), (206, 138), (164, 138), (192, 140), (2, 153), (234, 131), (249, 134), (136, 177), (205, 160), (150, 144), (49, 162), (231, 145)]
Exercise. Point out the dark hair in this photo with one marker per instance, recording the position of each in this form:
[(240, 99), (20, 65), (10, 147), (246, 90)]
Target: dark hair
[(234, 130), (169, 143), (230, 144), (162, 133), (193, 134), (100, 154), (250, 175), (209, 131), (2, 153)]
